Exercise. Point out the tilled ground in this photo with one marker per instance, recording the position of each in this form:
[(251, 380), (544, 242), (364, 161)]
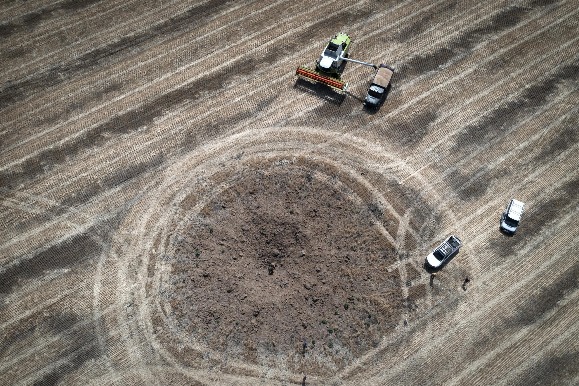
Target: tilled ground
[(283, 262), (178, 209)]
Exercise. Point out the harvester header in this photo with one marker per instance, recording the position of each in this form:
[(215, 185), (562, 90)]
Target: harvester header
[(315, 76)]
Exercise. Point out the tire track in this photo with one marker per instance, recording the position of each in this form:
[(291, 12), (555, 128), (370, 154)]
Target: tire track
[(517, 275), (105, 210), (130, 345), (64, 71), (145, 216), (16, 361), (493, 300)]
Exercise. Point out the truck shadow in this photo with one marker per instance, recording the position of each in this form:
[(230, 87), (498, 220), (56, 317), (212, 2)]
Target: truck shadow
[(320, 91), (505, 233)]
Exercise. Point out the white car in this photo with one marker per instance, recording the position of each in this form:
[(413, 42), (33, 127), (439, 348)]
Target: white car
[(511, 216), (443, 252)]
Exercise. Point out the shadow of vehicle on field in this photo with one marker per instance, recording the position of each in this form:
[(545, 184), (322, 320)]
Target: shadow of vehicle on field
[(320, 91)]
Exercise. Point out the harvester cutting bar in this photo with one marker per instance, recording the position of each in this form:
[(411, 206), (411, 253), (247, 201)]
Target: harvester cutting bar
[(317, 77)]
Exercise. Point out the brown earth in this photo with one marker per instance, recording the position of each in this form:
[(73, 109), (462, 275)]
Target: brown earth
[(282, 259), (177, 209)]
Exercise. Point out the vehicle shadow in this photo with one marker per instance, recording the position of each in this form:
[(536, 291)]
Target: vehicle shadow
[(504, 232), (320, 91)]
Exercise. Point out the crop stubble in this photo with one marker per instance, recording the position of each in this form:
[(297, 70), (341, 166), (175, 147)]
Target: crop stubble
[(213, 218)]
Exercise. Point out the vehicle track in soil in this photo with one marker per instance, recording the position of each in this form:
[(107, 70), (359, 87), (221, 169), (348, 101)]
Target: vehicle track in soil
[(305, 134), (94, 198)]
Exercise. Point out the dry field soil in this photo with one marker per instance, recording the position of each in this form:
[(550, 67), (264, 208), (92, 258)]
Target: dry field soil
[(176, 208)]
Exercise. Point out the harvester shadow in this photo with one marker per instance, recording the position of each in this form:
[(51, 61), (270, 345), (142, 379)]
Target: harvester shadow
[(361, 100), (320, 91)]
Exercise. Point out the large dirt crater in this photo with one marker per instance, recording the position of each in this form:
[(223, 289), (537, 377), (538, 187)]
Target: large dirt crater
[(288, 250), (285, 262)]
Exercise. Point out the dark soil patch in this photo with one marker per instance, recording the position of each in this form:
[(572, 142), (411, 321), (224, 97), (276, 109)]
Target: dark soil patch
[(81, 345), (284, 258), (424, 22), (66, 254), (564, 140), (192, 18), (511, 113), (547, 299), (408, 132), (31, 20), (461, 46), (551, 370)]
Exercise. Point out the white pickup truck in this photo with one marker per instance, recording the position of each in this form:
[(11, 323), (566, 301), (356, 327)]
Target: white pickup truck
[(511, 216)]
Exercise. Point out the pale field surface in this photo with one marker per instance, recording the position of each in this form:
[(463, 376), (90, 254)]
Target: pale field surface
[(177, 209)]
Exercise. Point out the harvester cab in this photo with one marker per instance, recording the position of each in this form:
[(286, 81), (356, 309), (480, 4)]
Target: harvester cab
[(331, 60)]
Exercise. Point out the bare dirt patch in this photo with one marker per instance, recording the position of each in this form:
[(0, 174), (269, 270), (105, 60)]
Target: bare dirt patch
[(177, 209), (287, 262)]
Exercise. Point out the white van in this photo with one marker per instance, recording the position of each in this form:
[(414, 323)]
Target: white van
[(512, 216)]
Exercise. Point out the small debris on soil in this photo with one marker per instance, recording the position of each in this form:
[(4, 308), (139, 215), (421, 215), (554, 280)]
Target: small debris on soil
[(465, 282)]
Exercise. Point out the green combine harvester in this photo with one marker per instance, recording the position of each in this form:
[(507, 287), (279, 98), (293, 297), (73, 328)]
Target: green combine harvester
[(331, 64)]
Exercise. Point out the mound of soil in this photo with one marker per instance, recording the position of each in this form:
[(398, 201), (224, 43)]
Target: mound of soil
[(284, 263)]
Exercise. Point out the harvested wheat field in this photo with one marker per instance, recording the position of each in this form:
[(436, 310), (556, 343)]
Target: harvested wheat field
[(177, 208)]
